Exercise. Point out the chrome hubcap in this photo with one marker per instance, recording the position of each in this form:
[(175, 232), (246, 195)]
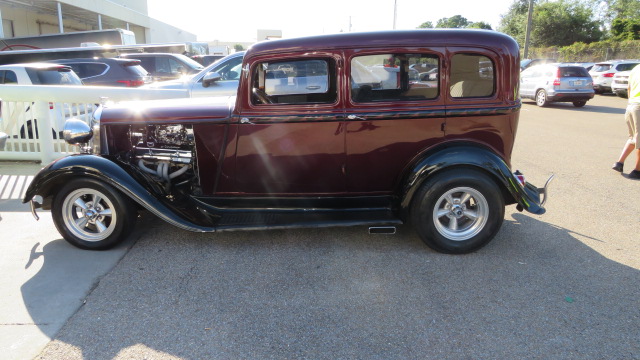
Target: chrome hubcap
[(89, 214), (460, 213)]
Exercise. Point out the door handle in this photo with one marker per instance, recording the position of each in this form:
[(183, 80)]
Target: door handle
[(355, 117)]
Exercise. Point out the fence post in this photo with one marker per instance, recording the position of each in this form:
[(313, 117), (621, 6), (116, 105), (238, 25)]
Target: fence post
[(42, 115)]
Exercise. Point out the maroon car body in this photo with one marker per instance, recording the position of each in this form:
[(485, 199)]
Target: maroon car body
[(325, 131)]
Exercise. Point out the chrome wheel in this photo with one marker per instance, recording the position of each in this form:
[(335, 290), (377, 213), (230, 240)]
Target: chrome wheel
[(460, 213), (89, 214), (541, 98)]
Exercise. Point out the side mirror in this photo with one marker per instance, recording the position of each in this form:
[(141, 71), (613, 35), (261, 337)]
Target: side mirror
[(210, 78)]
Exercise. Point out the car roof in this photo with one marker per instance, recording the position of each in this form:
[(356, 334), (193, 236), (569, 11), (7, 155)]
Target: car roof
[(35, 65), (93, 60), (395, 38)]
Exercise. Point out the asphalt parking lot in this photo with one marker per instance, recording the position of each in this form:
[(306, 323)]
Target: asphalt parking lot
[(564, 285)]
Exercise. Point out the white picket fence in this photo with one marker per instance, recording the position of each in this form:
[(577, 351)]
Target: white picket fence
[(33, 116)]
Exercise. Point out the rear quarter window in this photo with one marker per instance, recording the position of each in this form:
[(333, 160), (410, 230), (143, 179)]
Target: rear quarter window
[(472, 75), (53, 76), (88, 69), (136, 70)]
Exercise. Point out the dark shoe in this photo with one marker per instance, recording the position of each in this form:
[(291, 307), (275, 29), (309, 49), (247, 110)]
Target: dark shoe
[(617, 166), (635, 174)]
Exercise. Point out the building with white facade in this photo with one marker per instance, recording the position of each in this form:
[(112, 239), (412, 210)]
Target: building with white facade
[(39, 17)]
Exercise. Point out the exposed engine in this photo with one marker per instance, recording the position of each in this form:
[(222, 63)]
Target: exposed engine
[(167, 152)]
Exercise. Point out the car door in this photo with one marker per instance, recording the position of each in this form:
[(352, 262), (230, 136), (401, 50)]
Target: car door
[(393, 113), (290, 134)]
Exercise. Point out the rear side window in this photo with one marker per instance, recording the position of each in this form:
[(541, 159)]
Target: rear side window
[(54, 76), (394, 77), (601, 67), (92, 69), (472, 75), (577, 71), (8, 77), (296, 81)]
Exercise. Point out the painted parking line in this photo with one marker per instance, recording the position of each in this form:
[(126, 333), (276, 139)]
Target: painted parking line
[(13, 187)]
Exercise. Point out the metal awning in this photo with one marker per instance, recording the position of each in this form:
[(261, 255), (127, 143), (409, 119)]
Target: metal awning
[(81, 15)]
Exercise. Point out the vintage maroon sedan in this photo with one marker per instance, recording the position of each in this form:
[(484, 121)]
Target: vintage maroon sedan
[(333, 130)]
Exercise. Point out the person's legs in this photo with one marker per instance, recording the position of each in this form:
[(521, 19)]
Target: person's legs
[(626, 150)]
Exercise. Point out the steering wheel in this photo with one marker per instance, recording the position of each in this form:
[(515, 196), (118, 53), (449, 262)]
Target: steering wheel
[(262, 96)]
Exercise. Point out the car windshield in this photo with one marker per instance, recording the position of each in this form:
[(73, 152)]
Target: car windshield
[(53, 76), (573, 71), (601, 67), (190, 62)]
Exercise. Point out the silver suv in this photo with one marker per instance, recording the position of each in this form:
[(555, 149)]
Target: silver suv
[(556, 83), (602, 73)]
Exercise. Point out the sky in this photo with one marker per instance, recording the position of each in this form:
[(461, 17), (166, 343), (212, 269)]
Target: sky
[(239, 20)]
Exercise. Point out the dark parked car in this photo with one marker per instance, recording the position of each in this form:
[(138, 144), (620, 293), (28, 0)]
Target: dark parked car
[(206, 60), (108, 71), (163, 66), (317, 136)]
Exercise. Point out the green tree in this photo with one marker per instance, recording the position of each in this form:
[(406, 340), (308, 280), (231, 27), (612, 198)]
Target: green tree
[(455, 22), (625, 29), (238, 47), (479, 25), (555, 23), (426, 25)]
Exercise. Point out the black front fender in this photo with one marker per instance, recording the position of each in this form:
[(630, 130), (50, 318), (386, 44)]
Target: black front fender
[(472, 156), (55, 175)]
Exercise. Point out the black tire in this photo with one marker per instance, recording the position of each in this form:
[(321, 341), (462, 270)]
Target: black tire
[(541, 98), (580, 103), (88, 225), (485, 200)]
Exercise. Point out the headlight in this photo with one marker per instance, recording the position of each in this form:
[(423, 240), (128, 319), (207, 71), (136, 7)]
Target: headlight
[(76, 132)]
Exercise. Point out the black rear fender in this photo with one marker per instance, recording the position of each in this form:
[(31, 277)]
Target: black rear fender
[(473, 157)]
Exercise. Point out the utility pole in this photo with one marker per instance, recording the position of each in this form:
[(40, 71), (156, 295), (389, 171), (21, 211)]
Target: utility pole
[(395, 13), (528, 34)]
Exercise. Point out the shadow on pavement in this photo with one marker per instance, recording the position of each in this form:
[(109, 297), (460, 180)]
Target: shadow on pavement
[(534, 292)]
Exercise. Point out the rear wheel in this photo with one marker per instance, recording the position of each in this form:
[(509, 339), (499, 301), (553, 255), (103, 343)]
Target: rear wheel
[(541, 98), (580, 103), (92, 215), (458, 211)]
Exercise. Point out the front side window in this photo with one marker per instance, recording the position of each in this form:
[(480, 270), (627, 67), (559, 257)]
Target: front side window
[(295, 82), (472, 75), (387, 77), (228, 70)]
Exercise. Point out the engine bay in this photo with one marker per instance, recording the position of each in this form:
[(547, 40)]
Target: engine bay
[(165, 152)]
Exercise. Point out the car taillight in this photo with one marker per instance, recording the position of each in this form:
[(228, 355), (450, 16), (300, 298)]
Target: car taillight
[(608, 74), (556, 81), (50, 106), (131, 83)]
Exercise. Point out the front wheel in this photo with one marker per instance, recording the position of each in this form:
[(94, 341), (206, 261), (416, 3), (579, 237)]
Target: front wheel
[(458, 211), (579, 103), (92, 215), (541, 98)]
